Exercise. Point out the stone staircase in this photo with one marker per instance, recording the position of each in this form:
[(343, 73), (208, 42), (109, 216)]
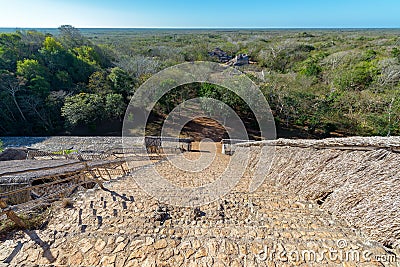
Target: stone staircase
[(123, 226)]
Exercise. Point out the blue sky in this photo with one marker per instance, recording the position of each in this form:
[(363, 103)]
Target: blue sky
[(200, 14)]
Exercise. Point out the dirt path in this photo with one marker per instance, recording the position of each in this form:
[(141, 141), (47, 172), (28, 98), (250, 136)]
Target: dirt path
[(123, 226)]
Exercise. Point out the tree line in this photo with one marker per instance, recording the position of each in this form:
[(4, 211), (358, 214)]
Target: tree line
[(52, 83), (318, 83)]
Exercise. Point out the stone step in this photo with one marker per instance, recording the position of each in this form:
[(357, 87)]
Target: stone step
[(258, 218), (117, 227), (271, 204), (260, 251), (99, 222), (264, 210)]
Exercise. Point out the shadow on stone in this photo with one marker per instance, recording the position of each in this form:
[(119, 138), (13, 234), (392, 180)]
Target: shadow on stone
[(45, 246), (14, 252)]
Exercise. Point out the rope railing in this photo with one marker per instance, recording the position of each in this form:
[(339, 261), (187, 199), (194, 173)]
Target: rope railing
[(33, 204), (22, 189), (82, 155), (140, 145), (58, 187)]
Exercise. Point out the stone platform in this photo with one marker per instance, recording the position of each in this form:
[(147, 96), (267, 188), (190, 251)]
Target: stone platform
[(124, 226)]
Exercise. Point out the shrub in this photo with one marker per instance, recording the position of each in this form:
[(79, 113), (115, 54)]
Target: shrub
[(357, 78)]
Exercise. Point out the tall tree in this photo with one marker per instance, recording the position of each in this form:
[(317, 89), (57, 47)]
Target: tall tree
[(71, 37), (10, 50), (12, 85)]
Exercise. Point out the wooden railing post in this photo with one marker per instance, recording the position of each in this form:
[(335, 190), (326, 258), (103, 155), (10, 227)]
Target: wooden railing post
[(11, 214), (108, 173), (123, 169), (100, 183)]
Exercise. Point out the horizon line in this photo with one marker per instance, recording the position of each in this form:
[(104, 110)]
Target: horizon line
[(200, 28)]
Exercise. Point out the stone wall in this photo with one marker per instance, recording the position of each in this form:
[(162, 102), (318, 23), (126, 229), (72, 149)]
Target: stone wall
[(357, 178), (85, 143)]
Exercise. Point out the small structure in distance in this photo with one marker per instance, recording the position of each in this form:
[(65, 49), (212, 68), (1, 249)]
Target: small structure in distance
[(221, 55), (239, 60)]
